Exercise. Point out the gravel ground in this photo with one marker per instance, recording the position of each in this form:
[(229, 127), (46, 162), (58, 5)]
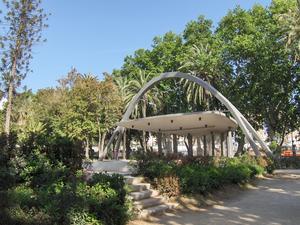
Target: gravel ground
[(272, 201)]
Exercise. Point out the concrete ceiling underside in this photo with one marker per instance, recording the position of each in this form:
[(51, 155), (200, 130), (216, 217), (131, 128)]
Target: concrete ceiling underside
[(196, 123)]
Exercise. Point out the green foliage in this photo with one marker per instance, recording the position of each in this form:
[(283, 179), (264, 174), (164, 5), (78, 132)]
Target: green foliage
[(81, 110), (251, 57), (25, 20), (46, 189), (263, 80), (114, 181), (289, 162), (152, 167), (198, 175), (81, 217), (158, 169), (26, 216), (68, 201)]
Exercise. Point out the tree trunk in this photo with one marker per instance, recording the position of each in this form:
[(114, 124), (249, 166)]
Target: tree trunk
[(282, 136), (222, 144), (241, 143), (168, 143), (190, 145), (144, 132), (87, 148), (10, 99), (227, 144), (141, 142), (199, 149), (117, 147), (103, 141), (124, 145), (99, 145), (175, 144), (144, 141), (205, 145), (128, 149), (212, 144), (159, 145)]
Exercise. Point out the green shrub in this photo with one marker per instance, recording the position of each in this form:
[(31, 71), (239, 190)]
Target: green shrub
[(7, 178), (193, 179), (114, 181), (114, 208), (25, 216), (81, 217), (289, 162), (198, 174), (154, 169), (39, 184), (102, 200), (68, 151), (23, 196), (38, 170), (236, 174), (7, 153), (216, 178)]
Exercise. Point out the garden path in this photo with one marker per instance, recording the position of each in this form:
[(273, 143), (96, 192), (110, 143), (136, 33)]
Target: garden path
[(272, 201)]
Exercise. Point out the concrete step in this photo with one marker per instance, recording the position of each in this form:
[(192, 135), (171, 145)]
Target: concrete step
[(139, 187), (133, 180), (148, 202), (143, 194), (156, 210), (117, 172)]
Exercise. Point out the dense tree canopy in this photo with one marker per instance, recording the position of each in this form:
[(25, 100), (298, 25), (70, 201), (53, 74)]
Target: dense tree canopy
[(25, 20), (252, 57)]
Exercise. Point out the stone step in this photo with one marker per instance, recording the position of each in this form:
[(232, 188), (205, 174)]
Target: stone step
[(143, 194), (156, 210), (139, 187), (148, 202), (116, 172), (133, 180)]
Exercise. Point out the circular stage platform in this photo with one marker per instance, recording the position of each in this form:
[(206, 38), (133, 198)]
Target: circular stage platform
[(197, 123)]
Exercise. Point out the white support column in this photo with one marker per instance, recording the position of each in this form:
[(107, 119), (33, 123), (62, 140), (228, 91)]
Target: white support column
[(229, 144), (159, 143), (222, 143), (199, 148), (168, 139), (124, 144), (209, 146), (242, 122), (205, 145), (175, 144), (213, 144)]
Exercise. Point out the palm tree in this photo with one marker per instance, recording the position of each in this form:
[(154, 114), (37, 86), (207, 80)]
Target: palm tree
[(291, 23), (123, 85), (150, 98), (199, 61)]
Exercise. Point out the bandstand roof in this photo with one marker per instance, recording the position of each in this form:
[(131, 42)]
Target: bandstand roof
[(196, 123)]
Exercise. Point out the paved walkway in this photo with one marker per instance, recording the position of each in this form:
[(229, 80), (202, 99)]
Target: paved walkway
[(273, 201), (112, 166)]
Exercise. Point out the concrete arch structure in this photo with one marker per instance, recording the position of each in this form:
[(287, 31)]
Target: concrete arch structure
[(245, 126)]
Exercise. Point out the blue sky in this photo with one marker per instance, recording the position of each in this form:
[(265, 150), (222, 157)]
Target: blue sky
[(94, 36)]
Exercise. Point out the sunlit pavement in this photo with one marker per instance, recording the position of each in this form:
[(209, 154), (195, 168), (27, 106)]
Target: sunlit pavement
[(272, 201)]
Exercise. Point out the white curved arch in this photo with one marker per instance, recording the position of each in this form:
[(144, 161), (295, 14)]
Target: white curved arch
[(245, 126)]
